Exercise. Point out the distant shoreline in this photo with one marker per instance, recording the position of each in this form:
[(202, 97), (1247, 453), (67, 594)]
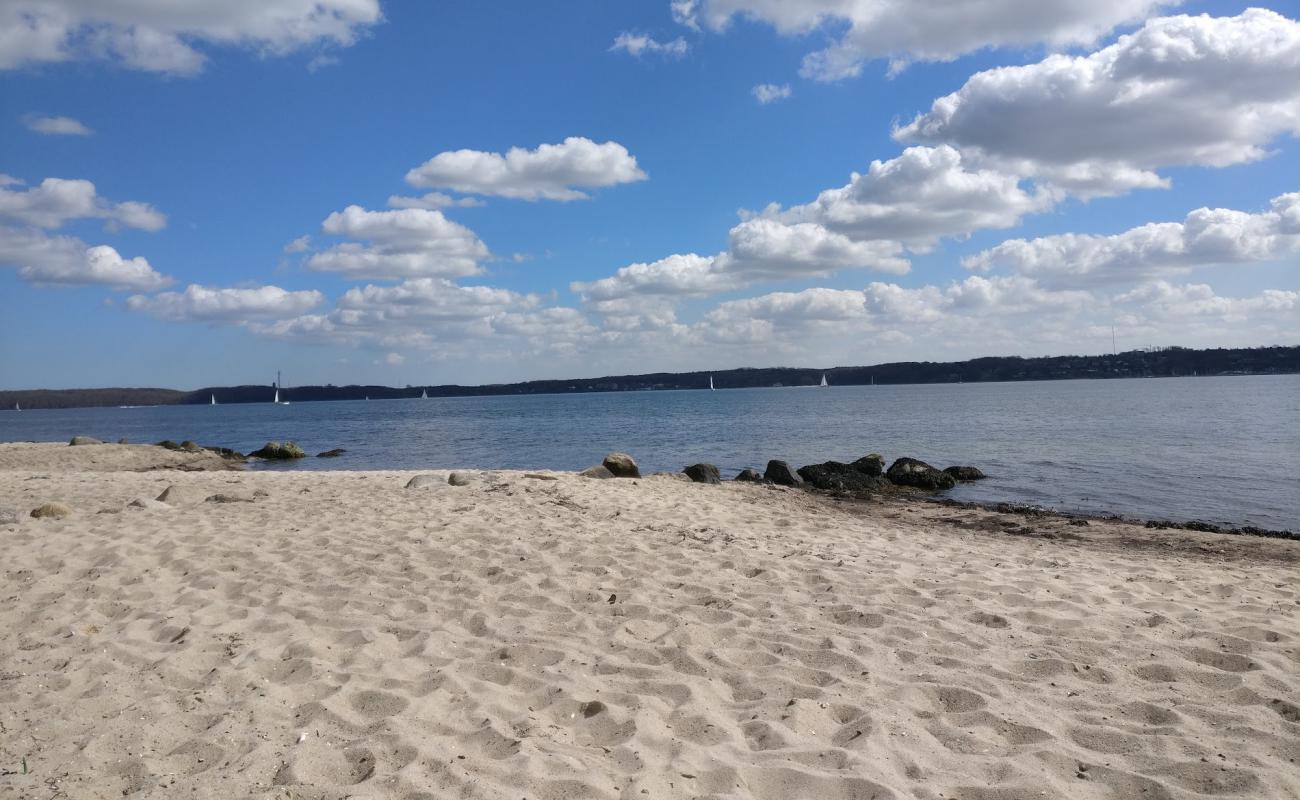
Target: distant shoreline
[(1167, 362)]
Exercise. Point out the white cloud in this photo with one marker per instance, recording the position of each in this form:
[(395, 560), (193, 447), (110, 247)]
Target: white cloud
[(55, 126), (56, 201), (770, 92), (918, 197), (551, 172), (230, 305), (936, 30), (66, 261), (433, 201), (406, 243), (299, 245), (1208, 236), (1182, 90), (636, 44), (1165, 301), (394, 359), (162, 37)]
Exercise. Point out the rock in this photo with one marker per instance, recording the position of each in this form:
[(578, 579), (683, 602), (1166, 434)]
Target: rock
[(78, 440), (335, 453), (123, 440), (425, 482), (461, 478), (227, 453), (621, 465), (677, 476), (8, 516), (872, 464), (228, 498), (780, 473), (190, 447), (168, 444), (913, 472), (749, 476), (965, 473), (839, 477), (261, 493), (600, 471), (177, 495), (537, 476), (703, 473), (277, 451), (52, 510)]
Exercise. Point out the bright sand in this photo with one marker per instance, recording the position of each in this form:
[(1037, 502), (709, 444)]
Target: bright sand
[(333, 634)]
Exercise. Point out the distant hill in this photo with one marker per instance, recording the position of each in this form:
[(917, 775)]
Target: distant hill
[(1155, 363)]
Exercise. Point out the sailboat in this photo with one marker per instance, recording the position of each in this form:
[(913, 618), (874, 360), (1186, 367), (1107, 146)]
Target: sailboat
[(824, 383), (213, 400), (711, 389), (17, 407), (424, 395), (277, 401)]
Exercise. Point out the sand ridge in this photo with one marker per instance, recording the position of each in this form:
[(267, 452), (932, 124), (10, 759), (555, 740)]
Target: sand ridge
[(331, 635)]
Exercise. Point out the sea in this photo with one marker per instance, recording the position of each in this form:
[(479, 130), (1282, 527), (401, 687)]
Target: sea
[(1224, 450)]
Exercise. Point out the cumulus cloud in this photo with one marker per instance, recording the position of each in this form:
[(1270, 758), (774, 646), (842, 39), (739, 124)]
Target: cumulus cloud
[(299, 245), (66, 261), (433, 201), (1206, 237), (207, 303), (637, 44), (551, 172), (55, 126), (406, 243), (936, 30), (57, 200), (163, 37), (918, 197), (770, 92), (1166, 301), (1182, 90)]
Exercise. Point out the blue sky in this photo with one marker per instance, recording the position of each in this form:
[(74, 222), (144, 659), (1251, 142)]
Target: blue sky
[(230, 136)]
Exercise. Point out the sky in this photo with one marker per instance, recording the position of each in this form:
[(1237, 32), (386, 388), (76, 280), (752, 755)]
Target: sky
[(409, 193)]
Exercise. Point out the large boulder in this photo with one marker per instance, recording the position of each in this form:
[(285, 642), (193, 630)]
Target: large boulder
[(839, 477), (749, 476), (190, 447), (780, 473), (914, 472), (426, 482), (621, 465), (279, 452), (703, 473), (168, 444), (871, 464), (598, 471), (461, 478), (51, 511), (965, 473), (79, 440)]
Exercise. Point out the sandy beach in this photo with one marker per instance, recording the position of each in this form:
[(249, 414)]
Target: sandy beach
[(544, 636)]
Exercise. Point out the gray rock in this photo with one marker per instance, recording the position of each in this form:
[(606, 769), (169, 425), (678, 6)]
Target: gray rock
[(168, 444), (123, 440), (599, 471), (51, 511), (835, 476), (228, 497), (461, 478), (8, 516), (914, 472), (425, 482), (190, 447), (335, 453), (749, 476), (621, 465), (780, 473), (966, 473), (79, 440), (873, 464), (703, 473), (277, 451), (677, 476)]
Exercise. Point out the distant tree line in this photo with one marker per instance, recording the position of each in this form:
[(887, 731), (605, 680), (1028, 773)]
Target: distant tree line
[(1151, 363)]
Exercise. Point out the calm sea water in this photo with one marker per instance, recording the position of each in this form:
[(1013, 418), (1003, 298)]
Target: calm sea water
[(1223, 450)]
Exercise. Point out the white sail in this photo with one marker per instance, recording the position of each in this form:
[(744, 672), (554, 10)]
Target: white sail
[(824, 383), (277, 397), (711, 389), (17, 407), (424, 395), (213, 400)]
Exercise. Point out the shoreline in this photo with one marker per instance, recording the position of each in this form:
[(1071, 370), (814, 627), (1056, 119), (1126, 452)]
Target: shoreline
[(373, 633)]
